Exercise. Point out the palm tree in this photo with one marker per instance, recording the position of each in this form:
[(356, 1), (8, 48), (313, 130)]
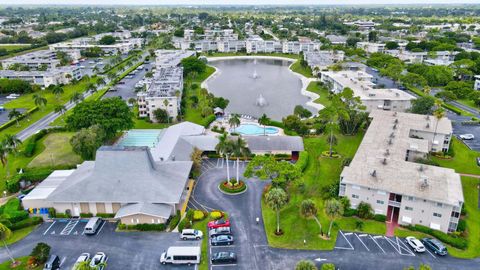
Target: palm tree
[(92, 88), (39, 100), (60, 109), (264, 121), (439, 113), (166, 103), (100, 81), (332, 114), (234, 121), (57, 91), (309, 209), (306, 265), (9, 145), (132, 101), (111, 76), (240, 149), (276, 199), (224, 149), (5, 234), (333, 209), (76, 97), (14, 114)]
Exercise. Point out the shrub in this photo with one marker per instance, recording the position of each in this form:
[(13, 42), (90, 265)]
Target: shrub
[(147, 227), (451, 240), (105, 215), (86, 215), (302, 161), (207, 121), (17, 216), (26, 223), (52, 213), (216, 215), (232, 188), (198, 215), (184, 224), (380, 218), (174, 221), (350, 212), (41, 252), (365, 210), (359, 225), (62, 215), (462, 225), (328, 266), (122, 226)]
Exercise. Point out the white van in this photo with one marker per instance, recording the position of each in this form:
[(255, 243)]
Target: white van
[(181, 255), (92, 225)]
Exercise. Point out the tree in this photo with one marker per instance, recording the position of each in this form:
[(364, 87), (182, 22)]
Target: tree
[(276, 199), (328, 266), (5, 233), (160, 115), (234, 121), (309, 209), (196, 158), (192, 64), (76, 97), (332, 114), (264, 121), (39, 100), (301, 112), (107, 40), (422, 105), (391, 45), (294, 123), (220, 102), (100, 81), (60, 109), (439, 113), (446, 96), (92, 88), (86, 141), (372, 36), (364, 210), (267, 168), (240, 149), (57, 91), (224, 148), (305, 265), (413, 79), (14, 114), (333, 209), (461, 89), (112, 114), (12, 142)]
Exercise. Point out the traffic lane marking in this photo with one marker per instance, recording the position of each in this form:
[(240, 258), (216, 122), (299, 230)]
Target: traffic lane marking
[(49, 228), (361, 242)]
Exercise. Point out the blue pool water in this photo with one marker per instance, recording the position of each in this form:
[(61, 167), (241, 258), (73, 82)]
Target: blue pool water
[(141, 137), (252, 129)]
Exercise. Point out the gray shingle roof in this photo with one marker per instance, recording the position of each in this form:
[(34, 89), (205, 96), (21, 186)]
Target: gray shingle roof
[(150, 209), (124, 175), (274, 143)]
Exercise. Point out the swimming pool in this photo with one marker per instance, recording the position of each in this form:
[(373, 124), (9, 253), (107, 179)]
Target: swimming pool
[(252, 129), (140, 137)]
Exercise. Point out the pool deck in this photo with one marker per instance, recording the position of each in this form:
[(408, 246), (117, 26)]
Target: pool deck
[(224, 123)]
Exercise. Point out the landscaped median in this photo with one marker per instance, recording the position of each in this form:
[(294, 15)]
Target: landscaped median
[(232, 186)]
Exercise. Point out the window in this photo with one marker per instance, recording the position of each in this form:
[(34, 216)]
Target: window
[(380, 202), (408, 208), (355, 187), (379, 192), (355, 196), (439, 204), (455, 214), (437, 215), (410, 198)]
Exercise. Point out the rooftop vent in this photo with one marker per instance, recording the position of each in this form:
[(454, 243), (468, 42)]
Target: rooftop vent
[(421, 168), (392, 135), (428, 125), (387, 152), (390, 142), (428, 117), (396, 121), (395, 126), (384, 161), (373, 173), (423, 183), (395, 114), (397, 94)]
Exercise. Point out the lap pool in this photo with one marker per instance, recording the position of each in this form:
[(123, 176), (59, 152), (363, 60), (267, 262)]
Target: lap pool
[(140, 137), (253, 129)]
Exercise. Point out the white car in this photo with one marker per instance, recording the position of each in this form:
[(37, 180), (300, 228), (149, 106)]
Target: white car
[(84, 257), (189, 234), (467, 137), (415, 244), (98, 259)]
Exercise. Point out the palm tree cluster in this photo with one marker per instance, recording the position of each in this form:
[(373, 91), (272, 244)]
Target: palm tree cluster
[(9, 145), (228, 147)]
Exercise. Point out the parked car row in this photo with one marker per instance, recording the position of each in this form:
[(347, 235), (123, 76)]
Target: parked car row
[(220, 234), (98, 261), (426, 243)]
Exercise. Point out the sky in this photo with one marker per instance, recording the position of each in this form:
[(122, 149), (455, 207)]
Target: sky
[(231, 2)]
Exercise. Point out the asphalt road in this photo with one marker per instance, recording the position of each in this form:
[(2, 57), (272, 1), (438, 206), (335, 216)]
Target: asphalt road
[(353, 251), (125, 250)]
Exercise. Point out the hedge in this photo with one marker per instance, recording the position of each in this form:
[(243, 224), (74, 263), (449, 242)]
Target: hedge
[(207, 121), (32, 142), (35, 175), (184, 224), (380, 218), (147, 227), (174, 221), (105, 215), (302, 161), (14, 121), (86, 215), (26, 223), (350, 212), (457, 242), (237, 189)]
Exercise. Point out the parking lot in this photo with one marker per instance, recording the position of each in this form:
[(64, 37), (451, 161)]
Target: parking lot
[(377, 244), (125, 250), (127, 90)]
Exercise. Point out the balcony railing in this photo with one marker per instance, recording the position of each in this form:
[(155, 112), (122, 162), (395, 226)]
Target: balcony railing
[(394, 203)]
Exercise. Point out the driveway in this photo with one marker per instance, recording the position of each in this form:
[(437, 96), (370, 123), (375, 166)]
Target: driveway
[(353, 250), (125, 250)]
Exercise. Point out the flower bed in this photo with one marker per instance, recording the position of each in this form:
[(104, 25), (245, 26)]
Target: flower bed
[(327, 154), (227, 187)]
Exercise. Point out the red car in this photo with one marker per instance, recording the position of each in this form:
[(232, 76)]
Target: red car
[(219, 223)]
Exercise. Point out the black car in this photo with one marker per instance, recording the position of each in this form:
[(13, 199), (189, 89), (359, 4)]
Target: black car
[(478, 161), (224, 257), (222, 240), (434, 245), (220, 231)]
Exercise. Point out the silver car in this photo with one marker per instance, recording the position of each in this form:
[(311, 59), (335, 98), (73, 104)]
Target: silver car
[(415, 244)]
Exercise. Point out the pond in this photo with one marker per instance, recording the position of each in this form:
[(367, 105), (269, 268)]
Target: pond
[(257, 86)]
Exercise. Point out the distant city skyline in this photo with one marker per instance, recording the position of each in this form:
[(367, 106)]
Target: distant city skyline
[(234, 2)]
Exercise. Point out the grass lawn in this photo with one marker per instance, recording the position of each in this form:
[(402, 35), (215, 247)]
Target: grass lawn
[(470, 193), (143, 124), (23, 265), (305, 71), (468, 102), (464, 160), (19, 235), (322, 92), (11, 47), (320, 173), (58, 151), (23, 52), (202, 226), (194, 114)]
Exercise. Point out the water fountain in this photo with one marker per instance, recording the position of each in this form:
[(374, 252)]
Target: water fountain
[(261, 101), (255, 74)]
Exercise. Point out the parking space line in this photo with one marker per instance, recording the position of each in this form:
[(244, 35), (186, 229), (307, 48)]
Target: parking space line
[(398, 248), (49, 228), (217, 265), (63, 260), (350, 244), (101, 227), (375, 241), (405, 247), (430, 253), (361, 242)]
